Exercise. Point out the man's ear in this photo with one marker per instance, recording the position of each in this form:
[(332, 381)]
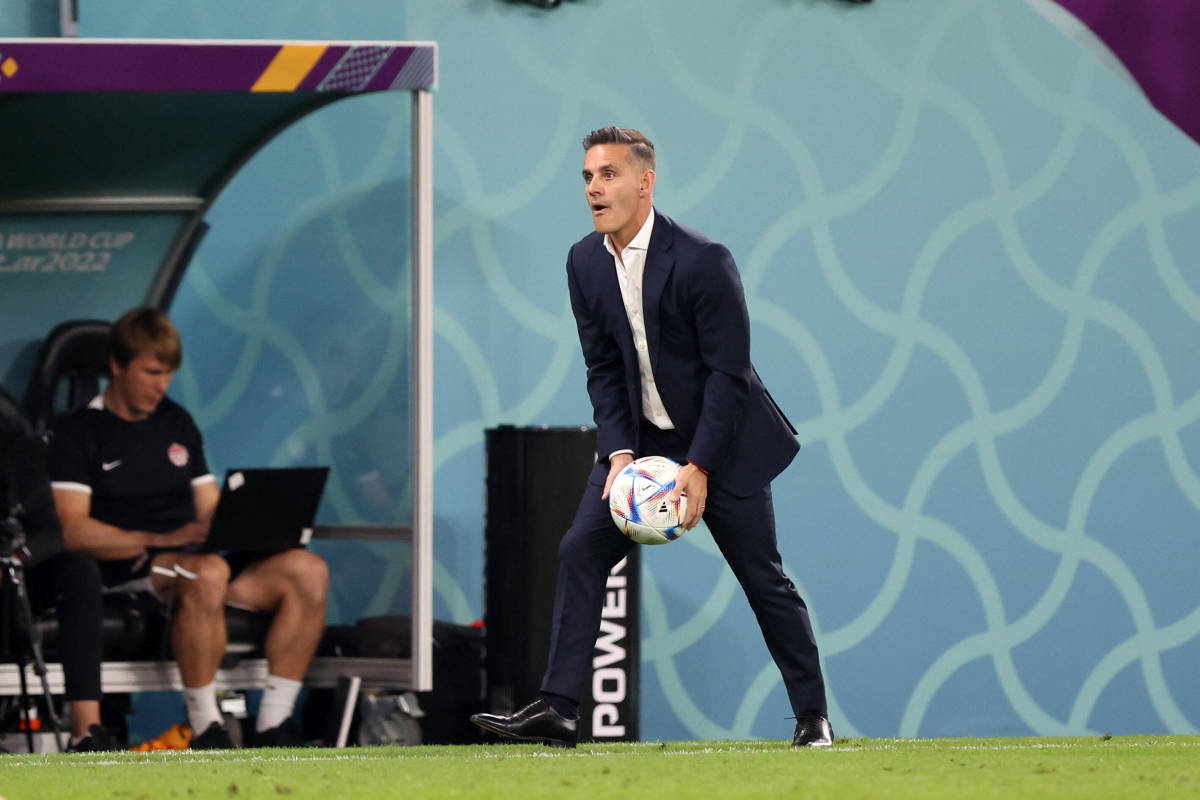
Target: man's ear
[(647, 184)]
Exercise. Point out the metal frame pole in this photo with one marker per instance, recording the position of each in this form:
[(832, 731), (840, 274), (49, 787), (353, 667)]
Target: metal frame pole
[(422, 388)]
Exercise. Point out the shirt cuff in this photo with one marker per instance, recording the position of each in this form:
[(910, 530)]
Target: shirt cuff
[(617, 453), (71, 486)]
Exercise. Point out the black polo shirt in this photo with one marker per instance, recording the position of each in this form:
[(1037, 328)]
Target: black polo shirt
[(140, 474)]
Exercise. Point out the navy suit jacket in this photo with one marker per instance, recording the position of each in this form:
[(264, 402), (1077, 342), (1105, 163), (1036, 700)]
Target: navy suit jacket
[(698, 335)]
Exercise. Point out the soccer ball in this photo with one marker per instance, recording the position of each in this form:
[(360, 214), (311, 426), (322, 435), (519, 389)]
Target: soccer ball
[(639, 504)]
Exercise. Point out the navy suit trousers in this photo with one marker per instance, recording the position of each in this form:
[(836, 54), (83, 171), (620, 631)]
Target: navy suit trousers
[(744, 530)]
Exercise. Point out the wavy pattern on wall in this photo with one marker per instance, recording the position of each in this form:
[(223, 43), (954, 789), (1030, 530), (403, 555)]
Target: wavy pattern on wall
[(969, 253)]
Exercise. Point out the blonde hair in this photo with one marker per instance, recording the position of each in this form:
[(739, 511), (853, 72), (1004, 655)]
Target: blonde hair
[(145, 330)]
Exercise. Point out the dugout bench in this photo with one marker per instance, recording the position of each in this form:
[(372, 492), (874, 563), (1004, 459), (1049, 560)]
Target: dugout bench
[(146, 134)]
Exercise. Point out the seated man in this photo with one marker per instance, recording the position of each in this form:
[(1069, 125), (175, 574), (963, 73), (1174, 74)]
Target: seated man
[(67, 582), (133, 489)]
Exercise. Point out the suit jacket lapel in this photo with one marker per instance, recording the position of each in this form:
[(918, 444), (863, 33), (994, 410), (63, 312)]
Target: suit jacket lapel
[(659, 263), (610, 292)]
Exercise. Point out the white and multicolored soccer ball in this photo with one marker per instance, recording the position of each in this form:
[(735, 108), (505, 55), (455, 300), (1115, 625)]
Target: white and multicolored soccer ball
[(639, 503)]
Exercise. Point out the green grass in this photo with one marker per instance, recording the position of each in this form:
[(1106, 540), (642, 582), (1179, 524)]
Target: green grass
[(1096, 767)]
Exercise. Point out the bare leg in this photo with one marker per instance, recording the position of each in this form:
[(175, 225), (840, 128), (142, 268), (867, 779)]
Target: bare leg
[(294, 585), (198, 628), (84, 714)]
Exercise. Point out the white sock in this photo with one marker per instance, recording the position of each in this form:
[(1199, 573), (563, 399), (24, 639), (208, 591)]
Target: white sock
[(278, 700), (202, 707)]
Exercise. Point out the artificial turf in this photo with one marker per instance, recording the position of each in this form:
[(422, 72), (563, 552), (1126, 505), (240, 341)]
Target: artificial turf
[(1095, 767)]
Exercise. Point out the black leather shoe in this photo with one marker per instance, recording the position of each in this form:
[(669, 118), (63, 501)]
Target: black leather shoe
[(536, 722), (812, 730)]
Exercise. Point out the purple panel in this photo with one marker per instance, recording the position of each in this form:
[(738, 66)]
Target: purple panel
[(94, 66), (1159, 43), (390, 69), (104, 67), (324, 65)]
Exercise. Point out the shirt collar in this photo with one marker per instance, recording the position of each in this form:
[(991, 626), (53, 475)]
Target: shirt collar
[(640, 242)]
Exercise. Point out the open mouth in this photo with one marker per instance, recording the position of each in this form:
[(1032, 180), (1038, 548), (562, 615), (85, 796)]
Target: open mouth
[(598, 208)]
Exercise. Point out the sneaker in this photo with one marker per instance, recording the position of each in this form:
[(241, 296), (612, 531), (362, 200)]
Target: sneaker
[(98, 740), (285, 734), (176, 737), (214, 737)]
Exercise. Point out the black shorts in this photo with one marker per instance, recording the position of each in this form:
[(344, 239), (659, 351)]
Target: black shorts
[(122, 571)]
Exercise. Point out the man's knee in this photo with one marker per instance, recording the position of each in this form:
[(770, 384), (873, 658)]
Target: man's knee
[(202, 579), (310, 574), (77, 574), (302, 572), (69, 582), (583, 549), (570, 549)]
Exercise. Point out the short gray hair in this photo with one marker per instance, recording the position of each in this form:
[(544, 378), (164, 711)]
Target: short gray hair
[(640, 148)]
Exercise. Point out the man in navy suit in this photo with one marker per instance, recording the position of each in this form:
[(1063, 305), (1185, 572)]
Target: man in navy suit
[(666, 339)]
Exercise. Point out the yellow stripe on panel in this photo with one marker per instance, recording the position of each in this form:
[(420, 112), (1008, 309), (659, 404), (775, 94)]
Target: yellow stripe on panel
[(290, 65)]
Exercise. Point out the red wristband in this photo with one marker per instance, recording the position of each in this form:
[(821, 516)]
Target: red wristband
[(697, 466)]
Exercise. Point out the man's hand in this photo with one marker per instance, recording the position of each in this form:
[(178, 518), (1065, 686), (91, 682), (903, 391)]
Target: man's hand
[(691, 482), (618, 463), (191, 533)]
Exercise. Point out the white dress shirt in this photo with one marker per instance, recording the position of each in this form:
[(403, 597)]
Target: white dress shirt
[(630, 265)]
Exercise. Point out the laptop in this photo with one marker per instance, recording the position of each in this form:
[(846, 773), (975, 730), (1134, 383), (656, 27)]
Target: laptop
[(266, 508)]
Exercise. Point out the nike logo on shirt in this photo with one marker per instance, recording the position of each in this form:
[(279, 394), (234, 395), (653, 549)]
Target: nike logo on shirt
[(109, 466)]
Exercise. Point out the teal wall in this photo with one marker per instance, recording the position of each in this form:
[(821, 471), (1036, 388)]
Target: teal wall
[(969, 253), (29, 18)]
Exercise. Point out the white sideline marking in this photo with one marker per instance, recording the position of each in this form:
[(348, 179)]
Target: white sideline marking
[(529, 751)]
